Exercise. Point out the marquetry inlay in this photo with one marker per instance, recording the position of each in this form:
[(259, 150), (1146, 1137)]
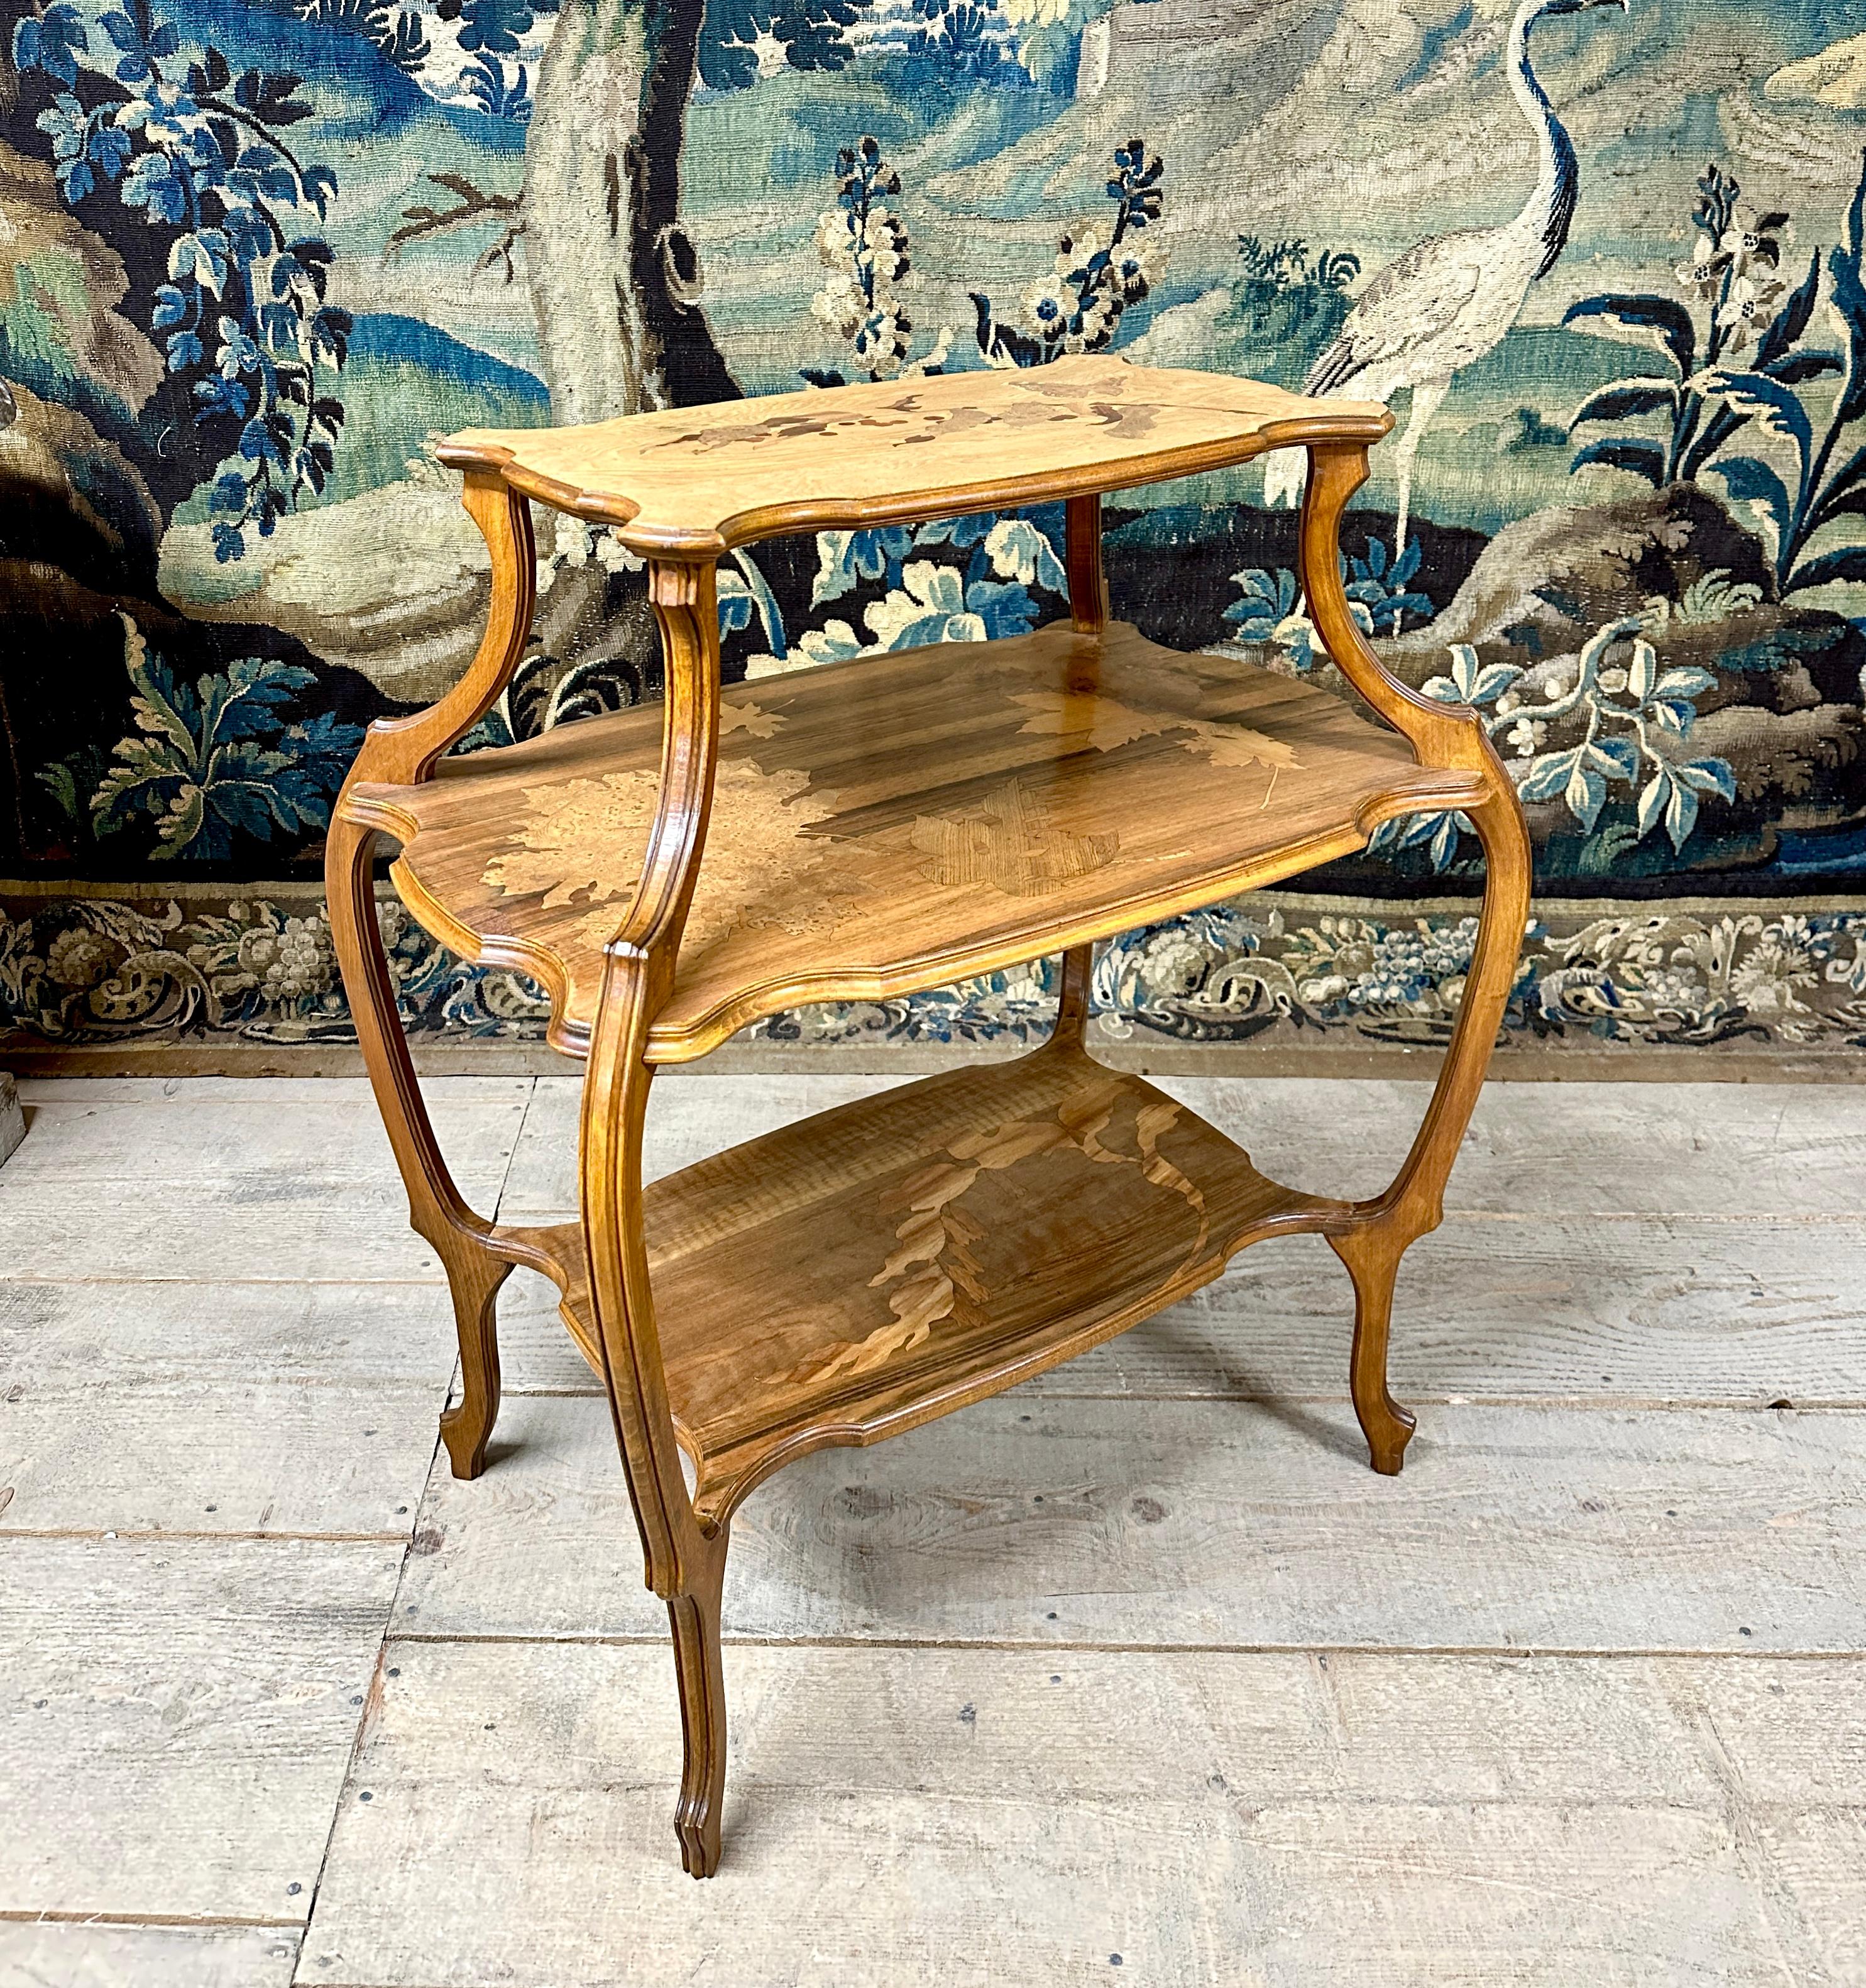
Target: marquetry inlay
[(935, 1270), (1011, 843), (1087, 721), (585, 837)]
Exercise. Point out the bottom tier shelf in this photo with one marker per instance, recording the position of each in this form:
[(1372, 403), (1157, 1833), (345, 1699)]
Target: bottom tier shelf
[(870, 1269)]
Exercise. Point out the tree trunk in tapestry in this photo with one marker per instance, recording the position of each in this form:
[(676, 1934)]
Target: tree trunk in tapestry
[(615, 279)]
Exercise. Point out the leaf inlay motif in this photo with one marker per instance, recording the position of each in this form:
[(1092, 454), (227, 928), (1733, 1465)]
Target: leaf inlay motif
[(1104, 725), (1010, 842), (934, 1260)]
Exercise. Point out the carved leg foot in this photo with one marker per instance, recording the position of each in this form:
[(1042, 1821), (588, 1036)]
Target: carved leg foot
[(1372, 1256), (695, 1618), (466, 1430)]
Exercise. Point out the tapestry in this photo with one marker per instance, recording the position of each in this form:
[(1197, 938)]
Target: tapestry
[(1603, 258)]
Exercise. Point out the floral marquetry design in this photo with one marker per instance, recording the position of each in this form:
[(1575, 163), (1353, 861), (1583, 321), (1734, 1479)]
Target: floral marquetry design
[(704, 479), (585, 838), (1084, 719), (973, 802), (581, 840), (1020, 1213), (748, 717)]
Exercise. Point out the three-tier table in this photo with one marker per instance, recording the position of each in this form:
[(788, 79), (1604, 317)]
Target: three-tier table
[(860, 830)]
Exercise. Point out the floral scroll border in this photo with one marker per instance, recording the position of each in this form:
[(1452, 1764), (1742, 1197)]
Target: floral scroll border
[(222, 967)]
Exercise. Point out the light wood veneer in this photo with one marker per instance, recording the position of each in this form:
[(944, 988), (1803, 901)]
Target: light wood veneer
[(698, 481)]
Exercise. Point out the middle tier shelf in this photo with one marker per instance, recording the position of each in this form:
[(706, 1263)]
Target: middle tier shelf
[(899, 821)]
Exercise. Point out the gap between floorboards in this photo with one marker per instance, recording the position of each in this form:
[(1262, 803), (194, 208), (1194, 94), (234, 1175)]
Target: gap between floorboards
[(1161, 1649)]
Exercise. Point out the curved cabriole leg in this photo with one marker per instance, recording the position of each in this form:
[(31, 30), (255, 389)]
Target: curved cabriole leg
[(686, 1560), (1414, 1205), (1378, 1233), (685, 1564), (694, 1618), (397, 752), (436, 1211), (1373, 1256)]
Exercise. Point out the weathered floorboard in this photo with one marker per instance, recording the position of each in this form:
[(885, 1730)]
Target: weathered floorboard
[(48, 1232), (1818, 1858), (311, 1136), (218, 1407), (1024, 1521), (1005, 1818), (52, 1954), (1784, 1747), (1642, 1309), (690, 1119), (236, 1184), (175, 1718), (1722, 1150)]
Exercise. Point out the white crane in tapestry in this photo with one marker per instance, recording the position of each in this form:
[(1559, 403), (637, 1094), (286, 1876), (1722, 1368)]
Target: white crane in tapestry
[(1450, 298)]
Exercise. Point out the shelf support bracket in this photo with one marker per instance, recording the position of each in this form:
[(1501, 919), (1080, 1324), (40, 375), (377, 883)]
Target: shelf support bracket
[(1088, 586), (403, 751), (1376, 1233), (1088, 615)]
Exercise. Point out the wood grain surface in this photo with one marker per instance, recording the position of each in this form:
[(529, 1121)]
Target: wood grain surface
[(1539, 1151), (878, 1264), (897, 822), (697, 480), (991, 1816)]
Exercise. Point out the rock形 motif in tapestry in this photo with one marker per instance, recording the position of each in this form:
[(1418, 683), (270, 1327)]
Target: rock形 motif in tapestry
[(258, 257)]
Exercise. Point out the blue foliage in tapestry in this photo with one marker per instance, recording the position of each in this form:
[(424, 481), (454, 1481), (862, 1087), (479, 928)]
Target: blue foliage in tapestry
[(198, 153), (1757, 361), (214, 758)]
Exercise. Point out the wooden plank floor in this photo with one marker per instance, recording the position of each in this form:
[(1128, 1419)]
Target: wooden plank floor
[(1137, 1675)]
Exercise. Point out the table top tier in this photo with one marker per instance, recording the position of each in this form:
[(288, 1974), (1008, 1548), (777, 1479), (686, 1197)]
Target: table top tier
[(694, 481)]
